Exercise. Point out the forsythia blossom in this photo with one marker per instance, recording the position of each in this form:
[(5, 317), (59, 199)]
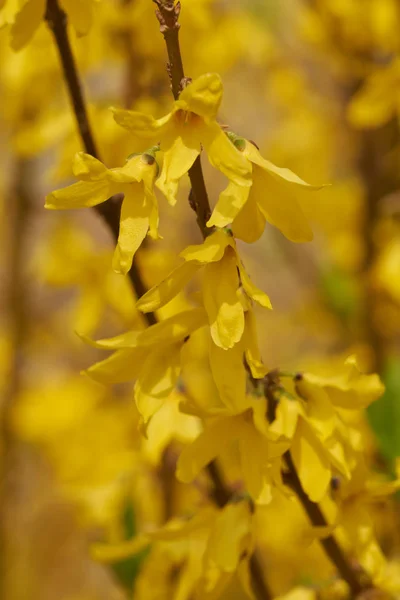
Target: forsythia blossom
[(139, 211)]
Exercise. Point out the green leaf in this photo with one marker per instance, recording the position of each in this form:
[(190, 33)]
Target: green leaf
[(127, 570), (384, 414)]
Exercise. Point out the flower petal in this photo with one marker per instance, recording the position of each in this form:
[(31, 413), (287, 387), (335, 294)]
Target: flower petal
[(145, 127), (178, 159), (229, 375), (27, 20), (211, 250), (121, 366), (80, 14), (277, 199), (79, 195), (311, 462), (229, 204), (221, 301), (88, 168), (251, 290), (174, 328), (157, 379), (168, 288), (202, 96), (223, 155), (134, 224), (249, 224), (210, 443)]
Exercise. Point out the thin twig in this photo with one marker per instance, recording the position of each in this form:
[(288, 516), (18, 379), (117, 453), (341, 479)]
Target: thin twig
[(110, 210), (168, 16), (357, 581)]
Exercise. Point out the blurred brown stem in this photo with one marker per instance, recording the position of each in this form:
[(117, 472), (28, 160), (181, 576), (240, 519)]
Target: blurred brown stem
[(17, 323), (110, 210)]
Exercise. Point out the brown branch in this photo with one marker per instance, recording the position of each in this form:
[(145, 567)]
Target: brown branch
[(168, 16), (356, 579), (110, 210)]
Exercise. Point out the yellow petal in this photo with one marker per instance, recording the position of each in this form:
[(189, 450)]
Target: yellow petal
[(79, 195), (157, 379), (202, 96), (374, 104), (223, 155), (134, 224), (173, 329), (251, 290), (249, 224), (211, 250), (145, 127), (253, 448), (121, 366), (277, 199), (279, 174), (27, 20), (168, 288), (319, 410), (229, 375), (178, 159), (210, 443), (252, 350), (125, 340), (229, 535), (88, 168), (80, 14), (311, 462), (349, 389), (287, 414), (221, 301), (230, 202)]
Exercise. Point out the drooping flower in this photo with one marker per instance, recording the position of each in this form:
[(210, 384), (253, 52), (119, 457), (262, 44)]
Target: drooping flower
[(139, 211), (322, 442), (273, 197), (206, 550), (224, 279), (25, 17), (190, 126), (151, 357)]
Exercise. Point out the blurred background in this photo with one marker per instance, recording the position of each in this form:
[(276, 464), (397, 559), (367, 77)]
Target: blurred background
[(316, 84)]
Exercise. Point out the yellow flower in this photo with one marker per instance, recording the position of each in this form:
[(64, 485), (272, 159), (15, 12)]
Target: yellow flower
[(259, 457), (26, 16), (208, 549), (314, 421), (139, 211), (273, 197), (223, 281), (151, 356), (190, 126), (70, 258)]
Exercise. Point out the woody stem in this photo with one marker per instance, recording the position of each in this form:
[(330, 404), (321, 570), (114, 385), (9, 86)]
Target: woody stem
[(110, 210), (314, 512), (168, 16)]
